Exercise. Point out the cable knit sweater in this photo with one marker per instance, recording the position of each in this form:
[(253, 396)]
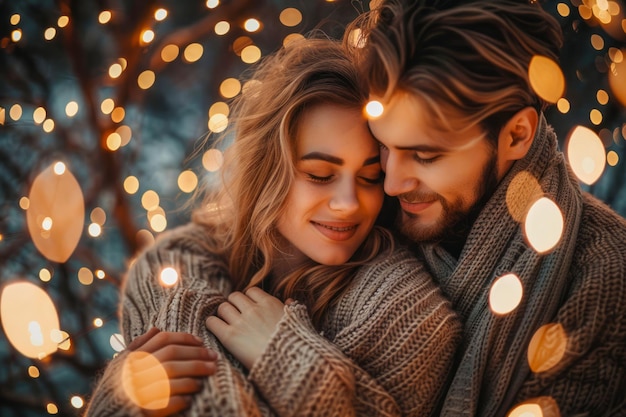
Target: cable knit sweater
[(386, 348)]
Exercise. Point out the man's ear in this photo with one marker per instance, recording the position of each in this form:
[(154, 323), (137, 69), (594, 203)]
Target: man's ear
[(517, 135)]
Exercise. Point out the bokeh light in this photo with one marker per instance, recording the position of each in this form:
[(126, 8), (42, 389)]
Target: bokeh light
[(547, 347), (117, 342), (168, 277), (212, 160), (59, 198), (28, 318), (586, 154), (169, 53), (374, 109), (543, 226), (546, 78), (505, 294), (131, 184), (193, 52), (145, 381), (290, 17), (187, 181)]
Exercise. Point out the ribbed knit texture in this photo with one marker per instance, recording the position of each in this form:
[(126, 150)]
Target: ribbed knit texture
[(581, 284), (385, 349)]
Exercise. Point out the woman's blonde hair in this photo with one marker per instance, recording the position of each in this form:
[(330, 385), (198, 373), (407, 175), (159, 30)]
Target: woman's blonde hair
[(258, 170)]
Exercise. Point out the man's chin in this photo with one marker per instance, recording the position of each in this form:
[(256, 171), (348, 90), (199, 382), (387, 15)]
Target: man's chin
[(421, 233)]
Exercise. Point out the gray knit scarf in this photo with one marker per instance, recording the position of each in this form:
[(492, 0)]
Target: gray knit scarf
[(492, 364)]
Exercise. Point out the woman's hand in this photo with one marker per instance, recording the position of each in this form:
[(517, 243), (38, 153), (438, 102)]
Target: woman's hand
[(163, 369), (245, 323)]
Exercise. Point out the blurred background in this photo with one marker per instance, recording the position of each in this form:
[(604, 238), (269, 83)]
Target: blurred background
[(105, 110)]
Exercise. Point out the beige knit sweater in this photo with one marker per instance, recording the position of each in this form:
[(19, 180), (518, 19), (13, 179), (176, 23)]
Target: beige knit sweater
[(386, 348)]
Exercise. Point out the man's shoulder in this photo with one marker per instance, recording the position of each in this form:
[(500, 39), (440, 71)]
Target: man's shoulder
[(599, 221)]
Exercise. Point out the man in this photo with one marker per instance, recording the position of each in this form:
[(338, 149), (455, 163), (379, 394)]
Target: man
[(468, 154)]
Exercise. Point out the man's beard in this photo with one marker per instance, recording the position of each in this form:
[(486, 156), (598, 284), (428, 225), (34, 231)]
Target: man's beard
[(454, 225)]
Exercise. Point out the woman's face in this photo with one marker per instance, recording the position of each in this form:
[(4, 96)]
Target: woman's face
[(337, 193)]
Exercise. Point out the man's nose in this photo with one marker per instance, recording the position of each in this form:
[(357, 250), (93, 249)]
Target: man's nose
[(399, 175)]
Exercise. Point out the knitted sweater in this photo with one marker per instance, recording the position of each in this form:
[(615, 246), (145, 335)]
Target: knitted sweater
[(385, 349), (578, 289)]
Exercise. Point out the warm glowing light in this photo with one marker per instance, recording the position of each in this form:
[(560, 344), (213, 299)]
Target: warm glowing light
[(505, 294), (46, 224), (212, 160), (24, 203), (356, 38), (169, 276), (595, 116), (59, 168), (602, 97), (117, 342), (77, 402), (586, 154), (222, 27), (59, 198), (131, 184), (543, 226), (16, 35), (125, 134), (48, 125), (240, 43), (193, 52), (252, 25), (219, 107), (292, 37), (52, 408), (160, 14), (104, 17), (158, 223), (115, 70), (546, 78), (94, 230), (597, 42), (169, 53), (146, 79), (122, 62), (374, 109), (290, 17), (144, 238), (145, 381), (71, 109), (97, 322), (45, 275), (85, 276), (150, 200), (612, 158), (15, 19), (526, 410), (187, 181), (250, 54), (63, 21), (28, 316), (616, 55), (49, 34), (99, 273), (113, 141), (33, 371), (617, 79), (147, 36), (61, 338), (212, 4), (547, 347), (563, 9), (15, 112), (2, 116), (107, 105), (118, 114), (230, 87), (218, 123), (98, 215), (39, 115)]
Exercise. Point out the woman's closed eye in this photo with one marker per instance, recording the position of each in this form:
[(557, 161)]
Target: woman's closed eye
[(319, 178)]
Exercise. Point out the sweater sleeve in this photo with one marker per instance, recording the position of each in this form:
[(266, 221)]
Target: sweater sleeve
[(201, 285), (392, 340)]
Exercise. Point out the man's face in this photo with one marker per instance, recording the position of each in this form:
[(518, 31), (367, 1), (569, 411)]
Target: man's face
[(441, 178)]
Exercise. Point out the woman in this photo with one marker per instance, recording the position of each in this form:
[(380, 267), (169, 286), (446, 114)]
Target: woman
[(316, 309)]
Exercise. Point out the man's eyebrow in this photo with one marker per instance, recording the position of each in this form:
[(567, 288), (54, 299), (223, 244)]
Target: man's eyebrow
[(335, 160)]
